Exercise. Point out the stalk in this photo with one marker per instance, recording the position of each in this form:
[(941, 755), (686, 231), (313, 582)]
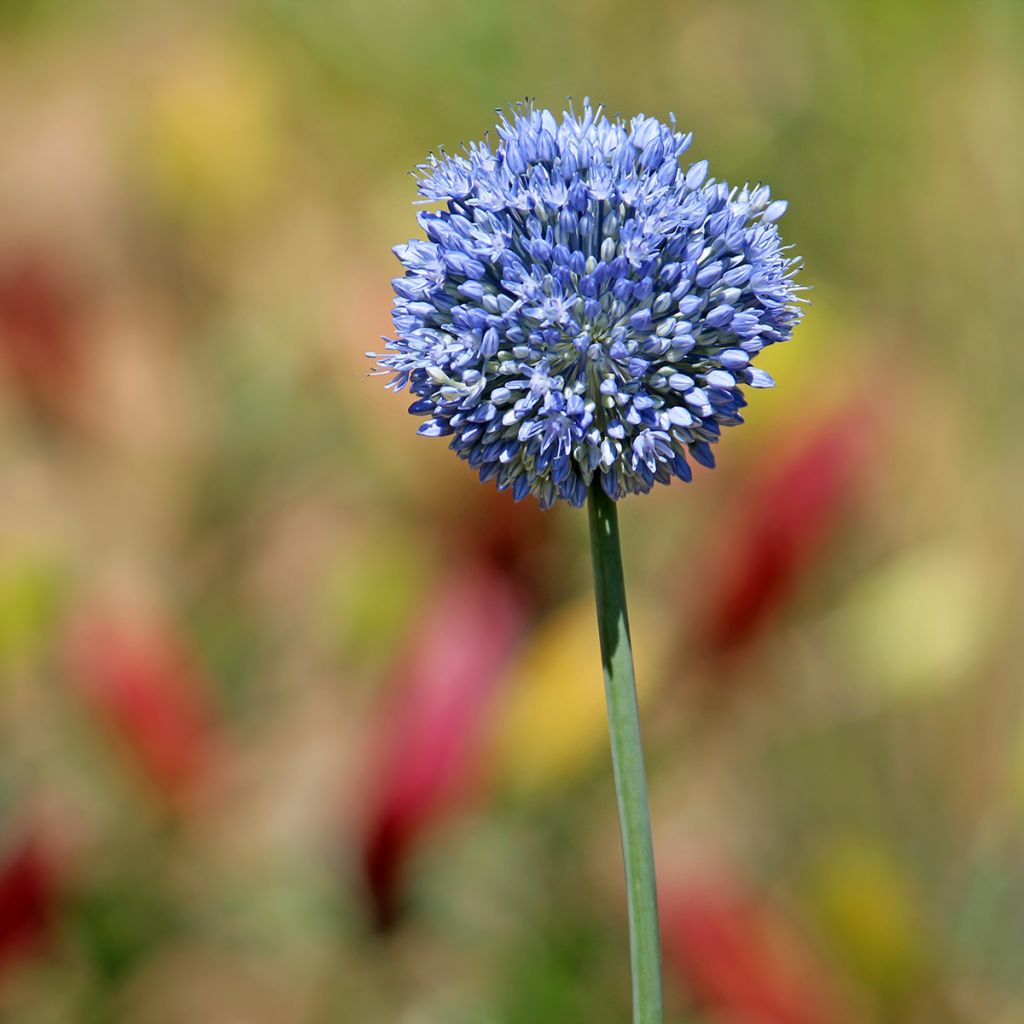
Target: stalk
[(627, 756)]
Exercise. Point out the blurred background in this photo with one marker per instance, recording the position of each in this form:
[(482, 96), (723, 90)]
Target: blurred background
[(300, 723)]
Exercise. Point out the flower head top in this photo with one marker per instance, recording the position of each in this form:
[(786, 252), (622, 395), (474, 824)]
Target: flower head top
[(583, 304)]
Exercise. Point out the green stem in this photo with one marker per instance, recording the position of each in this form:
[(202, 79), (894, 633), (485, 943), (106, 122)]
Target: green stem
[(627, 756)]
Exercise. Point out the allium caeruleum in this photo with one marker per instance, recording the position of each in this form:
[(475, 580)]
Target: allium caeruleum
[(584, 304)]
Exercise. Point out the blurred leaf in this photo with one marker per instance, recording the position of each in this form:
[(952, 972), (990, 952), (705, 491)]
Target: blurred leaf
[(121, 916), (989, 917), (559, 975), (463, 55), (18, 16)]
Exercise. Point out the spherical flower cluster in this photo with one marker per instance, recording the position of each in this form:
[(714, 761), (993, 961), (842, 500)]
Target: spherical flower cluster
[(584, 305)]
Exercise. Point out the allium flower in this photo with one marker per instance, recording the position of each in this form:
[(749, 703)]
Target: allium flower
[(583, 304)]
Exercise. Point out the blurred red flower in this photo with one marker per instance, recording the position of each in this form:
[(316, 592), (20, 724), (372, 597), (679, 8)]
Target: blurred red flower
[(738, 959), (41, 343), (29, 888), (432, 720), (137, 678), (783, 516), (508, 536)]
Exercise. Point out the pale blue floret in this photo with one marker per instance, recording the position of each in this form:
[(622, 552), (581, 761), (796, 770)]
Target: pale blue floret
[(585, 306)]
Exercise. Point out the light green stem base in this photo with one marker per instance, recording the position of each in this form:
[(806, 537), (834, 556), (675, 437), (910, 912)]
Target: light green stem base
[(627, 757)]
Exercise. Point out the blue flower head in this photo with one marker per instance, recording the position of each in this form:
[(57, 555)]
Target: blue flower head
[(584, 306)]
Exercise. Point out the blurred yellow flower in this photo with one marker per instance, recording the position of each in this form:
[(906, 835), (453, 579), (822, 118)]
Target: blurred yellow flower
[(30, 592), (822, 342), (553, 723), (212, 136), (919, 624), (870, 911)]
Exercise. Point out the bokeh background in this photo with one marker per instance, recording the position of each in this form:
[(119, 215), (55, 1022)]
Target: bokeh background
[(300, 723)]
